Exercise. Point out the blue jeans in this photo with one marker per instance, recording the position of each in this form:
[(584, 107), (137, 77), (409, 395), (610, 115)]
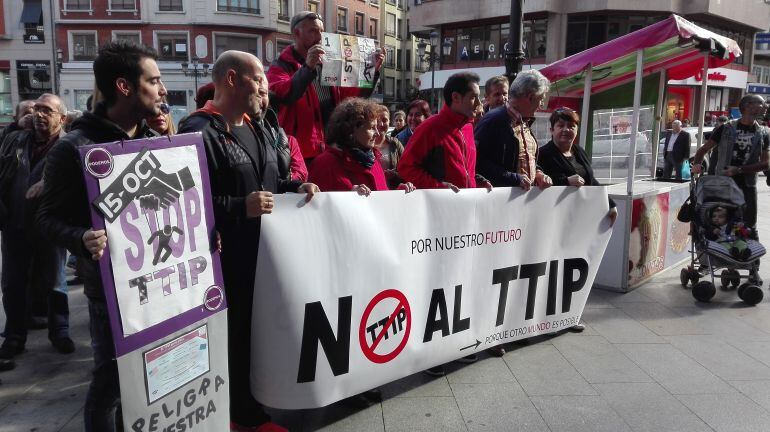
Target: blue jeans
[(103, 399)]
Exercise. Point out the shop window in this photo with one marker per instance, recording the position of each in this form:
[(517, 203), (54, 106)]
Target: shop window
[(242, 6), (450, 36), (492, 45), (360, 23), (170, 5), (6, 107), (476, 44), (463, 45), (84, 46), (342, 20), (34, 78), (172, 47)]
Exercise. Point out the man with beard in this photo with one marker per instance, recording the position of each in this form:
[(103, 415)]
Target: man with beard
[(25, 255), (129, 79), (244, 175)]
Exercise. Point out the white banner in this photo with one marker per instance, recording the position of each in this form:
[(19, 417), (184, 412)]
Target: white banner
[(354, 292)]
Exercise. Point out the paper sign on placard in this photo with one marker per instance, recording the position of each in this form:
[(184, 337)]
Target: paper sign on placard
[(348, 61)]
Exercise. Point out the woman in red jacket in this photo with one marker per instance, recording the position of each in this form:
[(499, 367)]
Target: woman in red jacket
[(350, 161)]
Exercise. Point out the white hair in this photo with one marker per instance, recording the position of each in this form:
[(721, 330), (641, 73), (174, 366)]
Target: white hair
[(676, 123), (528, 82)]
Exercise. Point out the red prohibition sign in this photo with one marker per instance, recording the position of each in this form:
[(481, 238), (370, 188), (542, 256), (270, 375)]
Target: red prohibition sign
[(369, 350)]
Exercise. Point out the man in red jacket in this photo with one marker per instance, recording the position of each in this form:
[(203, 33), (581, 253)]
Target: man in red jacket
[(304, 105), (442, 153)]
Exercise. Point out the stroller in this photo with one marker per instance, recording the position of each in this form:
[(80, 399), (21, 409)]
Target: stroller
[(709, 255)]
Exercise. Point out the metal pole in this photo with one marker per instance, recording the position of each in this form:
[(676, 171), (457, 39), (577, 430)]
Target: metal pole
[(703, 91), (659, 110), (586, 104), (432, 80), (514, 55), (635, 122), (195, 75)]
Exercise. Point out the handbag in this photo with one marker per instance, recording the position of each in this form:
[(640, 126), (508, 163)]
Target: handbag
[(686, 174), (686, 212)]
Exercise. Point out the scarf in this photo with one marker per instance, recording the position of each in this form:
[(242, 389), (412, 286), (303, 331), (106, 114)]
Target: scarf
[(365, 158)]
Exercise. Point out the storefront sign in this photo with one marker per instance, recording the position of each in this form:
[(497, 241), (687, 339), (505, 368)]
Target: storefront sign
[(720, 77), (380, 298), (162, 282)]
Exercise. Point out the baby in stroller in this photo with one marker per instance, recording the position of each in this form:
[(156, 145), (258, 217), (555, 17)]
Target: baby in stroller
[(721, 241), (731, 235)]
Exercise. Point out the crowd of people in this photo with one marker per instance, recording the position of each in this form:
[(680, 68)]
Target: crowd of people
[(264, 133)]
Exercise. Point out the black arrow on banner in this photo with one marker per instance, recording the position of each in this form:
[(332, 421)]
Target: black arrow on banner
[(474, 346)]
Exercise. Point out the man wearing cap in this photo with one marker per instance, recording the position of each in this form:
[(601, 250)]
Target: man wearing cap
[(304, 105)]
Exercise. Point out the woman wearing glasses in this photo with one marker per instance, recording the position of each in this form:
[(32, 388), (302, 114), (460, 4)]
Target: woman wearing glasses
[(565, 163)]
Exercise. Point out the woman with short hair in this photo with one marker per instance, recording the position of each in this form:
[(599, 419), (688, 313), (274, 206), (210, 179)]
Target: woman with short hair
[(418, 111)]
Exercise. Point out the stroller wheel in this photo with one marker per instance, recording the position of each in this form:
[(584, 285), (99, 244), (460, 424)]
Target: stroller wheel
[(694, 276), (684, 277), (750, 294), (728, 277), (704, 291)]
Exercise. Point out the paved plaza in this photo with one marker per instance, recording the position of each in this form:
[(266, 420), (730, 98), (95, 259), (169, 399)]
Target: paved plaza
[(650, 360)]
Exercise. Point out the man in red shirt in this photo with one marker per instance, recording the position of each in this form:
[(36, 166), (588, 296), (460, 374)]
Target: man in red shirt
[(442, 152)]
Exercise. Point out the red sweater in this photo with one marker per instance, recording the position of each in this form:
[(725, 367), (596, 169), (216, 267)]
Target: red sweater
[(299, 113), (335, 170), (441, 150)]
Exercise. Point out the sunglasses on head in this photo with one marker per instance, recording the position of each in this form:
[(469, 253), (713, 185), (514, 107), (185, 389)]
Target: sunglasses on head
[(311, 16)]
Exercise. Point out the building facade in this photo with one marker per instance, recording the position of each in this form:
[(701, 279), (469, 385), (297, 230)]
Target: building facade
[(554, 29), (26, 53)]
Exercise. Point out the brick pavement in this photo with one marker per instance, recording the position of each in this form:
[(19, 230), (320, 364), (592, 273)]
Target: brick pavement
[(650, 360)]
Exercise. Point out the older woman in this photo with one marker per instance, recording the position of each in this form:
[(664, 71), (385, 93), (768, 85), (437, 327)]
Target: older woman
[(418, 111), (390, 148), (565, 163), (351, 160)]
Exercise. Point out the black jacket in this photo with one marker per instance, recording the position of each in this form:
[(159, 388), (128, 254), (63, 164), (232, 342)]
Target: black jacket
[(553, 163), (236, 170), (64, 214), (273, 134), (681, 150), (498, 148)]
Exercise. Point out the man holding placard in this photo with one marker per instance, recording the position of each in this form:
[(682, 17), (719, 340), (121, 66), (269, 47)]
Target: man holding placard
[(128, 77), (304, 95)]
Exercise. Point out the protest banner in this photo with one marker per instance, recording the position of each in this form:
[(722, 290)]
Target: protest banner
[(348, 61), (354, 292), (162, 281)]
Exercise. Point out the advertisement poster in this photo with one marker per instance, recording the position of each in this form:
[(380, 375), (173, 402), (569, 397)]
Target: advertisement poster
[(649, 232), (162, 279), (348, 61), (678, 241), (380, 298)]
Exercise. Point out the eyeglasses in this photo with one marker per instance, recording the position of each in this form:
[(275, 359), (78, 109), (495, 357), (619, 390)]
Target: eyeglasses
[(564, 110), (43, 110)]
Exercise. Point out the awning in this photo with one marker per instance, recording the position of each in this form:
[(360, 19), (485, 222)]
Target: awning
[(674, 45), (32, 12)]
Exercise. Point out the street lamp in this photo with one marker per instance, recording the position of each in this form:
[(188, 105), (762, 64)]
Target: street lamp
[(432, 58), (59, 62), (192, 69)]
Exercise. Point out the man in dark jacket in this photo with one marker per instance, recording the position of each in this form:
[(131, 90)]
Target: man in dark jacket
[(24, 253), (507, 148), (676, 150), (304, 104), (22, 118), (128, 77), (244, 174)]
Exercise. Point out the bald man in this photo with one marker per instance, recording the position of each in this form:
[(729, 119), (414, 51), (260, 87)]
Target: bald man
[(28, 259), (244, 176)]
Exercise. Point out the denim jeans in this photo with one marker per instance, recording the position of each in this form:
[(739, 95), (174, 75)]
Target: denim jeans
[(103, 399)]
